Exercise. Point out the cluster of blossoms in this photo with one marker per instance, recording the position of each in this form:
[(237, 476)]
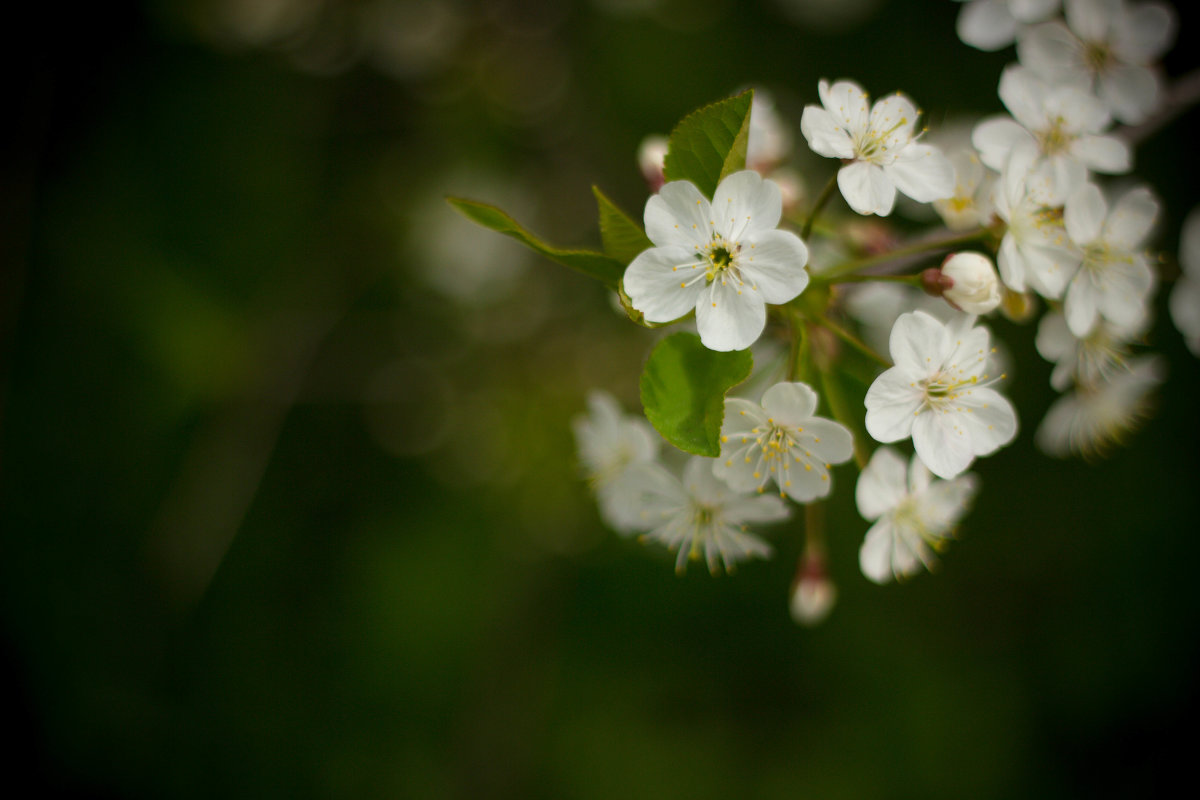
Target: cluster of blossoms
[(745, 264)]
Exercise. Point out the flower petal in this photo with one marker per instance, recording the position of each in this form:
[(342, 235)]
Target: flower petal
[(942, 442), (1084, 214), (678, 215), (986, 25), (1131, 93), (659, 282), (917, 339), (892, 405), (866, 188), (745, 201), (773, 261), (996, 137), (1025, 95), (882, 485), (847, 103), (990, 421), (922, 173), (1146, 33), (824, 135), (1106, 154), (790, 403), (1131, 219), (729, 317)]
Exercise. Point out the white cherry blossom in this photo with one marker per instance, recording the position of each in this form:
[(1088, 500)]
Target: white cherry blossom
[(939, 393), (1185, 297), (1090, 420), (881, 146), (699, 516), (1065, 124), (1114, 280), (725, 259), (1089, 360), (915, 514), (1107, 47), (992, 24), (970, 205), (610, 443), (782, 442), (1035, 252)]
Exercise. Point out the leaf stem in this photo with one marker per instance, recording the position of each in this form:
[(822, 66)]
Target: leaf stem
[(916, 248), (822, 199), (852, 340)]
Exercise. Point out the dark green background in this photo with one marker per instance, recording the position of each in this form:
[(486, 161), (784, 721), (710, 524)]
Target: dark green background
[(281, 519)]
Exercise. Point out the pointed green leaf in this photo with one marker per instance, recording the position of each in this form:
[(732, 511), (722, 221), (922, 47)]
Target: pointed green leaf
[(710, 143), (596, 265), (683, 391), (623, 238)]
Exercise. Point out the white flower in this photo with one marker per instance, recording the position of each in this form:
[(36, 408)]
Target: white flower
[(1064, 123), (969, 206), (938, 394), (1114, 280), (992, 24), (724, 259), (1088, 360), (914, 514), (701, 516), (1035, 252), (1090, 420), (1185, 297), (881, 145), (610, 443), (1105, 47), (781, 441), (976, 288)]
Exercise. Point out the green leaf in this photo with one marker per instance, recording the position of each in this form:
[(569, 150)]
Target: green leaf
[(596, 265), (623, 238), (683, 391), (710, 143)]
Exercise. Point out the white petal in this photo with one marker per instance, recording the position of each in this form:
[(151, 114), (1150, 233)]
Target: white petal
[(996, 137), (892, 120), (1082, 305), (922, 173), (917, 340), (832, 441), (678, 215), (866, 188), (847, 103), (882, 484), (1185, 311), (1024, 95), (653, 282), (892, 404), (875, 555), (1011, 263), (991, 422), (942, 443), (1131, 219), (774, 262), (756, 509), (1147, 32), (745, 201), (1131, 93), (1084, 214), (1050, 50), (824, 135), (790, 403), (1090, 19), (986, 25), (1028, 11), (1105, 154), (729, 318)]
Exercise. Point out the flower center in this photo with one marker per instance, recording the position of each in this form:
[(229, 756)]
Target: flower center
[(872, 145), (1097, 57), (1055, 139), (722, 257)]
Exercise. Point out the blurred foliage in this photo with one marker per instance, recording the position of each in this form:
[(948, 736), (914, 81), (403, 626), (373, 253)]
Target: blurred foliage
[(290, 504)]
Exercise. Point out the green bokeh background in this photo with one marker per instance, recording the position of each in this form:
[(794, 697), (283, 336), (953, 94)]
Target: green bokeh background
[(283, 518)]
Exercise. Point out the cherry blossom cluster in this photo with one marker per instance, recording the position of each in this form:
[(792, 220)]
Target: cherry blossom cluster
[(1032, 234)]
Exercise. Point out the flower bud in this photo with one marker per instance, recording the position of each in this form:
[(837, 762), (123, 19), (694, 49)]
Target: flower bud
[(813, 593), (652, 156), (976, 287)]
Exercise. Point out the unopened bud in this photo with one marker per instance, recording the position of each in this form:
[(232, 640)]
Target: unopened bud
[(652, 157), (813, 593), (975, 287)]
